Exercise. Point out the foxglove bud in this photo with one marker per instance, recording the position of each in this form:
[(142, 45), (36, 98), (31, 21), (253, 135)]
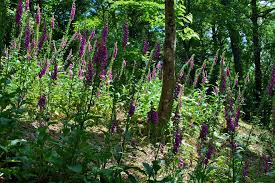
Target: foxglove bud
[(19, 12)]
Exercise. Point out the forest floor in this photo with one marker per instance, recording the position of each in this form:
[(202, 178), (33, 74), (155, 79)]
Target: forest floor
[(141, 150)]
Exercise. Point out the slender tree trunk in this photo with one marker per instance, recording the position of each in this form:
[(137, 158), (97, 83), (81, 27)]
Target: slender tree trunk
[(236, 50), (256, 51), (235, 40), (166, 99)]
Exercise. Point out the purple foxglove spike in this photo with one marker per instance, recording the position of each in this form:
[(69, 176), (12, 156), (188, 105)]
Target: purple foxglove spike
[(73, 10), (157, 52), (227, 72), (90, 72), (145, 46), (92, 35), (27, 36), (105, 32), (52, 22), (82, 46), (204, 131), (42, 102), (43, 38), (27, 8), (177, 143), (44, 70), (38, 16), (152, 117), (115, 51), (181, 163), (19, 12), (125, 34), (210, 152), (55, 72)]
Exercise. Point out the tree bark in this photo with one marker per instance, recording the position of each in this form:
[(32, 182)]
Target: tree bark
[(256, 51), (166, 99), (236, 51)]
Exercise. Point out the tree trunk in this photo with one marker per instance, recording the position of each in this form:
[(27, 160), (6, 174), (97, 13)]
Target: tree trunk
[(166, 99), (256, 51), (235, 47)]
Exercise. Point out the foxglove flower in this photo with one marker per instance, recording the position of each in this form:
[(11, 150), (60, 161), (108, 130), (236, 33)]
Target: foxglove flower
[(132, 109), (152, 117), (145, 46), (82, 46), (159, 66), (177, 143), (55, 72), (90, 73), (105, 32), (92, 35), (44, 70), (42, 102), (210, 152), (227, 72), (177, 90), (125, 35), (43, 38), (115, 51), (223, 78), (27, 7), (113, 127), (181, 163), (19, 12), (73, 11), (157, 52), (38, 16), (27, 36), (52, 22), (124, 63), (204, 131)]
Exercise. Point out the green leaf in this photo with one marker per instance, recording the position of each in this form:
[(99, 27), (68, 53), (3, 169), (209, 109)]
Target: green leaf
[(75, 168), (149, 170)]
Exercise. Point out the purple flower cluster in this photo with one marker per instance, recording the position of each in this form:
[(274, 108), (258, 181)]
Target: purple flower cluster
[(145, 46), (210, 152), (177, 143), (27, 7), (157, 52), (105, 32), (44, 70), (82, 45), (19, 12), (132, 109), (152, 117), (73, 11), (27, 36), (181, 163), (90, 73), (43, 38), (125, 34), (92, 35), (55, 72), (204, 131), (115, 51), (42, 102), (52, 22), (177, 90), (38, 16), (113, 127)]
